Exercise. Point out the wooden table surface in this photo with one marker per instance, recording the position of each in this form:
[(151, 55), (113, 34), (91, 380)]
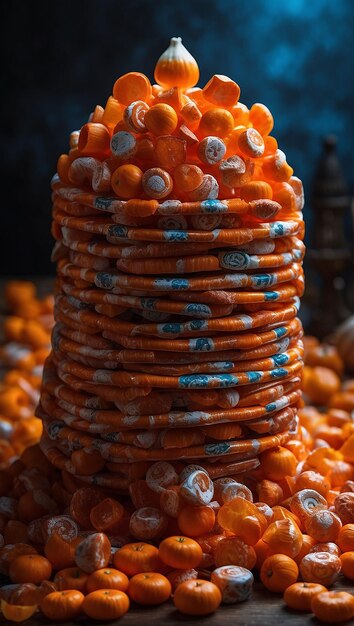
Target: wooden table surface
[(263, 608)]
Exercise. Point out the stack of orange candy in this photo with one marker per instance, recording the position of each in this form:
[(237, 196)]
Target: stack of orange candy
[(182, 473), (179, 251)]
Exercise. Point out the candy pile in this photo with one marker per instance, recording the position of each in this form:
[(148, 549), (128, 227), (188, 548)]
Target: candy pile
[(290, 520), (178, 231), (26, 331)]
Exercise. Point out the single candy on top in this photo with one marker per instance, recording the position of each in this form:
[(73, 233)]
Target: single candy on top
[(176, 67)]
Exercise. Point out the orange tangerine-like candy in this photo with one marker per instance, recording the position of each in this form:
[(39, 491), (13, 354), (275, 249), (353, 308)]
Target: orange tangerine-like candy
[(276, 168), (170, 151), (347, 560), (313, 480), (191, 114), (234, 551), (345, 538), (187, 177), (307, 545), (82, 501), (329, 546), (134, 115), (221, 91), (171, 501), (211, 150), (216, 122), (106, 514), (87, 463), (278, 572), (161, 119), (278, 463), (178, 576), (270, 492), (344, 506), (320, 567), (234, 582), (197, 488), (127, 181), (157, 183), (131, 87), (161, 475), (255, 190), (110, 115), (306, 502), (145, 151), (251, 143), (209, 188), (240, 113), (147, 523), (323, 526), (242, 518), (196, 520), (180, 552), (283, 536), (261, 118), (285, 195), (93, 552), (94, 139), (137, 557), (123, 144)]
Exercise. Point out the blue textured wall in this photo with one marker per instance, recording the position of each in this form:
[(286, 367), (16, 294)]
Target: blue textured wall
[(63, 57)]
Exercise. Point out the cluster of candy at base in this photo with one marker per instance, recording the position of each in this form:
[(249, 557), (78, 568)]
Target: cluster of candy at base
[(27, 335), (178, 227), (200, 541)]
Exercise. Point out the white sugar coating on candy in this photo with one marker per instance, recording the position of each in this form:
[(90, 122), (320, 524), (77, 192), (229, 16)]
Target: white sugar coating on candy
[(138, 108), (63, 525), (190, 469), (146, 439), (235, 583), (161, 475), (234, 163), (156, 183), (211, 150), (180, 265), (260, 246), (101, 177), (197, 488), (123, 144)]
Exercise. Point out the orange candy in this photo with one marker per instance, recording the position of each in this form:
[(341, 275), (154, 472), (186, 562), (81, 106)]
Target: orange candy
[(276, 168), (106, 514), (196, 520), (323, 526), (284, 536), (187, 177), (255, 190), (234, 551), (134, 116), (157, 183), (127, 181), (278, 463), (147, 523), (161, 119), (94, 140), (131, 87), (320, 567), (123, 145), (221, 91), (137, 557), (170, 151), (180, 552), (211, 150), (149, 588), (250, 143), (278, 572), (217, 122), (261, 118)]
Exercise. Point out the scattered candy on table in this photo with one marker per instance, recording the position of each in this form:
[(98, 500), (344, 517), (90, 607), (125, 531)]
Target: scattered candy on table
[(177, 454)]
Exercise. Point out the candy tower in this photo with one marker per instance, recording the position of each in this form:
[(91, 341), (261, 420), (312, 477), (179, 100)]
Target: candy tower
[(176, 354)]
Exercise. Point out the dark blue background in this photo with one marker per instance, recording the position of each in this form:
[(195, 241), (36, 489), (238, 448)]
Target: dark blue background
[(61, 58)]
